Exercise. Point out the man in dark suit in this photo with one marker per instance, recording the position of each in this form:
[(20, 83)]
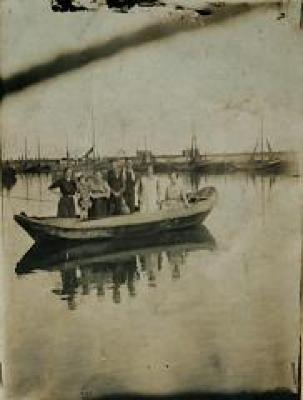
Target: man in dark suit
[(116, 183)]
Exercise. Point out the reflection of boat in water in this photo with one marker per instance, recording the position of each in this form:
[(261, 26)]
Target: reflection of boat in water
[(122, 226), (68, 254), (107, 266)]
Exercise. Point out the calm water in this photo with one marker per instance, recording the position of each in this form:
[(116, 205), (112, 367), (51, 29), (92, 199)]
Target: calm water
[(213, 311)]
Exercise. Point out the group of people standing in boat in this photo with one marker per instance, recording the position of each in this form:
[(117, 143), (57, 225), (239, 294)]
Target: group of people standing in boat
[(121, 192)]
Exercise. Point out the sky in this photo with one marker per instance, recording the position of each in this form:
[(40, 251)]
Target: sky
[(216, 81)]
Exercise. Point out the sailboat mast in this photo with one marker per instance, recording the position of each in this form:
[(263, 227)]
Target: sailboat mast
[(25, 149), (254, 151), (195, 147), (94, 134), (67, 150), (39, 150), (145, 143), (191, 147), (2, 149), (262, 140)]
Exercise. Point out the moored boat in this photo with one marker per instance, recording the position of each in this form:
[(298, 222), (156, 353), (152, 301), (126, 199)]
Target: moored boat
[(121, 226), (267, 164), (8, 176), (37, 169), (264, 161)]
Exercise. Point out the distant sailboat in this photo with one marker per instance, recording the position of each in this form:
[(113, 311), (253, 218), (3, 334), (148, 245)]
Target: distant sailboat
[(88, 160), (35, 167), (8, 173), (197, 162), (264, 160)]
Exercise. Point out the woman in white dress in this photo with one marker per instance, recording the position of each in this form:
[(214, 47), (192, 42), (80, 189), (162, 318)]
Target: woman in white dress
[(148, 191), (175, 195)]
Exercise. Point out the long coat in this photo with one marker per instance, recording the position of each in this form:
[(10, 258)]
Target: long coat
[(116, 184), (66, 205), (130, 190)]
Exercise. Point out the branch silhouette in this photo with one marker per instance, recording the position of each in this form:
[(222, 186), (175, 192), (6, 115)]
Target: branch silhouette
[(65, 63)]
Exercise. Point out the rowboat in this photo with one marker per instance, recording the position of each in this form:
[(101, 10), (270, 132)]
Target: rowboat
[(121, 226), (65, 255)]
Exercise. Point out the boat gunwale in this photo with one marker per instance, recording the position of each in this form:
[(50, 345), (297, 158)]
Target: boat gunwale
[(135, 219)]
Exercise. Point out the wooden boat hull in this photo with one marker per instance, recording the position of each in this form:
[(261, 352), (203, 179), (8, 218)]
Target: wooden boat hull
[(267, 165), (259, 166), (163, 167), (37, 169), (120, 227)]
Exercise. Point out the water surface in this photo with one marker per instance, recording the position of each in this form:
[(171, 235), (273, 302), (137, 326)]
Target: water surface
[(209, 311)]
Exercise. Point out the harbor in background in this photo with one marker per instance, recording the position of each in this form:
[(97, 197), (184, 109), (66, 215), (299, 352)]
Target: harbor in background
[(260, 160)]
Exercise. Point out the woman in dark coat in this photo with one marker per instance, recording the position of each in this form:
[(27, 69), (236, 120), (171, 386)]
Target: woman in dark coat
[(68, 188)]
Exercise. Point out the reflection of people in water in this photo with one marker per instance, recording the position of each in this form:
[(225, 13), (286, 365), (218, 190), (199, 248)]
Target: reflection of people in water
[(99, 277), (124, 272), (151, 263), (160, 261), (86, 279), (131, 276), (118, 280), (120, 273), (69, 286), (176, 259)]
